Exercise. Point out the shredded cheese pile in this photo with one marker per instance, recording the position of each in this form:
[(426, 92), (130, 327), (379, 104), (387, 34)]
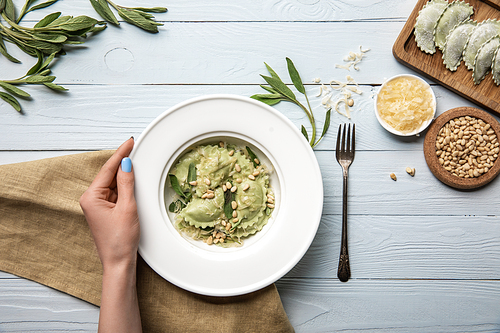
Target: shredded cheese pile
[(405, 104)]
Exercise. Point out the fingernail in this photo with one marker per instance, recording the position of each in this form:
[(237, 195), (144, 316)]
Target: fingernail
[(132, 137), (126, 164)]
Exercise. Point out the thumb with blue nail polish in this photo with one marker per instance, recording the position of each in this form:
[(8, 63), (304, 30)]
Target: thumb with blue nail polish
[(126, 164)]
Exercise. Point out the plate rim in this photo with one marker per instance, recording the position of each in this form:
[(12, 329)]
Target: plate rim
[(315, 218)]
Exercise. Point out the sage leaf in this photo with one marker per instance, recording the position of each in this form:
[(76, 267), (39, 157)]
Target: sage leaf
[(102, 8), (2, 5), (78, 23), (42, 5), (47, 61), (47, 20), (10, 10), (175, 185), (191, 177), (38, 64), (326, 125), (271, 90), (135, 18), (272, 72), (252, 156), (294, 75), (36, 79), (5, 53), (279, 86), (13, 89), (51, 38), (151, 10), (11, 100), (304, 132), (228, 208), (269, 99), (54, 86), (58, 21)]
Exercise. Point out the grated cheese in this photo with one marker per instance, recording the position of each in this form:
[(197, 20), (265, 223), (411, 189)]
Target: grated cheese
[(405, 104)]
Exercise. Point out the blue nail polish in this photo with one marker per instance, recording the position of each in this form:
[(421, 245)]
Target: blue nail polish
[(126, 164)]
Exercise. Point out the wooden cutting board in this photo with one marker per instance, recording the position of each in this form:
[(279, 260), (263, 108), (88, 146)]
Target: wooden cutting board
[(405, 50)]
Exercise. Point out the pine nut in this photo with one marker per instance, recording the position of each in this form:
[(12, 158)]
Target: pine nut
[(193, 183)]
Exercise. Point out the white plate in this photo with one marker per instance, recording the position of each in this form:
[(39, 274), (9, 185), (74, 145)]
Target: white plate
[(296, 180)]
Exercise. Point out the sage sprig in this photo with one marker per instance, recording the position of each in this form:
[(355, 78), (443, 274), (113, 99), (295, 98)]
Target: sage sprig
[(278, 91), (38, 74), (137, 16)]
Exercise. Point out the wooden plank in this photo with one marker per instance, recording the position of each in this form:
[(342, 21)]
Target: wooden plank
[(405, 49), (233, 53), (391, 306), (406, 247), (241, 10), (92, 117), (373, 192), (26, 306)]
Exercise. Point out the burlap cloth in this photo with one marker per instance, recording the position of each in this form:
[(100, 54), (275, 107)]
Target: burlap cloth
[(44, 237)]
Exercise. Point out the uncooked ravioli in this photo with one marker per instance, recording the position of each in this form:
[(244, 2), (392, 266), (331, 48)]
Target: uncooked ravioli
[(425, 24), (481, 34), (484, 59), (455, 12), (456, 42)]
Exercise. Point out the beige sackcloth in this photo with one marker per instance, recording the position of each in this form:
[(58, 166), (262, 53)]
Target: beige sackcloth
[(44, 237)]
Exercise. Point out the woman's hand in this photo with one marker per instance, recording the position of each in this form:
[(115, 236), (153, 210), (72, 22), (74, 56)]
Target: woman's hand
[(111, 211)]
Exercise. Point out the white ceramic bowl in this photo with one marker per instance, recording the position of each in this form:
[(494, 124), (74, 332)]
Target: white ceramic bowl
[(264, 257), (390, 128)]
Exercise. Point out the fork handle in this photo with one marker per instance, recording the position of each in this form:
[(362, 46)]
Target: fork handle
[(344, 270)]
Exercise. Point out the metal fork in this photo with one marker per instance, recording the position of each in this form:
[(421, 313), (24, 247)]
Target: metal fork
[(345, 156)]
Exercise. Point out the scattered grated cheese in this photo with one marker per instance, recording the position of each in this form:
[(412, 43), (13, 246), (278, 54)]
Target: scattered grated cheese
[(326, 92), (353, 59), (405, 104)]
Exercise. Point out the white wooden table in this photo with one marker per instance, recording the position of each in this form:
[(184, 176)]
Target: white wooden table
[(424, 257)]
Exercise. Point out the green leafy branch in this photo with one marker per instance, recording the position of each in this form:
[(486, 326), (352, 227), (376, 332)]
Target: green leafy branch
[(279, 91), (137, 16), (38, 74)]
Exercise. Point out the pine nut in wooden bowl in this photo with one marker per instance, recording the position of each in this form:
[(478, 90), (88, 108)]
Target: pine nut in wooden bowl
[(461, 148)]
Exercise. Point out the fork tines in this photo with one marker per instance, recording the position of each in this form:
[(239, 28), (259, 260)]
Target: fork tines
[(343, 145)]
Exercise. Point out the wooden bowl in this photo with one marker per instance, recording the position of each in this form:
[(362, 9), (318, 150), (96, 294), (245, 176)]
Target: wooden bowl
[(430, 149)]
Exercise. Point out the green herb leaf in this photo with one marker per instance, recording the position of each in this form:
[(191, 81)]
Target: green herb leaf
[(191, 173), (176, 206), (269, 99), (175, 185), (294, 75), (38, 64), (2, 5), (43, 5), (151, 10), (252, 156), (47, 61), (228, 208), (13, 89), (5, 53), (47, 20), (36, 79), (134, 17), (10, 11), (102, 8), (54, 86), (279, 86), (78, 23), (26, 8), (272, 72), (51, 38), (304, 132), (11, 100)]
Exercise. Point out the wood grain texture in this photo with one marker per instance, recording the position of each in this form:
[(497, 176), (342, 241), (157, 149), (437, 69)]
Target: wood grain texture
[(424, 257), (405, 49)]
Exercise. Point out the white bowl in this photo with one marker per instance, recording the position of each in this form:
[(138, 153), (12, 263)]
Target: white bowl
[(264, 257), (390, 128)]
